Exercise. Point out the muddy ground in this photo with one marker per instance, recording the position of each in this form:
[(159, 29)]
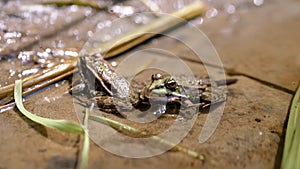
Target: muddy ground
[(258, 45)]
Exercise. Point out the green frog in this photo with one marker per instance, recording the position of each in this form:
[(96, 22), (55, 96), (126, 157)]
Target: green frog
[(113, 93)]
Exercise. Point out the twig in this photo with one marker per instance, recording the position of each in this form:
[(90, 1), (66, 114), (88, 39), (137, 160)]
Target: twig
[(151, 5), (10, 98), (53, 72), (74, 2)]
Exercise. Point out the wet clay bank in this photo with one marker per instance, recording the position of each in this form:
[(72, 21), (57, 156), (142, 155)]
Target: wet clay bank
[(258, 46)]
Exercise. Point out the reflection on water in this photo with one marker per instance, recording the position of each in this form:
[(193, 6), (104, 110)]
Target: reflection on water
[(23, 23), (216, 8), (122, 11), (28, 63)]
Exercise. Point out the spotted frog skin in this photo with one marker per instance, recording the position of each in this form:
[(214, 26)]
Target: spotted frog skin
[(113, 93)]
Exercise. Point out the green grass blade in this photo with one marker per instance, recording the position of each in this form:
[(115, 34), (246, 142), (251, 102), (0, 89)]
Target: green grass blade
[(86, 142), (291, 153), (63, 125), (123, 127), (85, 150)]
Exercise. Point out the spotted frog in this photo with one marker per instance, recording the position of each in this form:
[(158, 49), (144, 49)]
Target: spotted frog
[(113, 93)]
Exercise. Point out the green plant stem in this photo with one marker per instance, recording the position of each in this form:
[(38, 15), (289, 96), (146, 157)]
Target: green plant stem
[(86, 142), (291, 153), (126, 128), (63, 125)]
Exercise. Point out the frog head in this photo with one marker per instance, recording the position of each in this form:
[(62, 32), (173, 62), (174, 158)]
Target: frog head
[(163, 88)]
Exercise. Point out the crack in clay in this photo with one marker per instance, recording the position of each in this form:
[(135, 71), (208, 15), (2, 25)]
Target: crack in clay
[(232, 72)]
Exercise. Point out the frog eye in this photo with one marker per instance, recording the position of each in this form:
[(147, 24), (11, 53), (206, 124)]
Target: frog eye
[(171, 83), (156, 76)]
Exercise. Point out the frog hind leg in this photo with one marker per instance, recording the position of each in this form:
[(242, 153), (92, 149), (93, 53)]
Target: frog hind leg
[(112, 104)]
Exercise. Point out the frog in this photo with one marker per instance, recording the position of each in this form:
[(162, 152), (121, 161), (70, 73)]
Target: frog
[(113, 93)]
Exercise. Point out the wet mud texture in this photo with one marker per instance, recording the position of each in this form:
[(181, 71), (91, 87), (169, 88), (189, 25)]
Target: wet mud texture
[(259, 46)]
